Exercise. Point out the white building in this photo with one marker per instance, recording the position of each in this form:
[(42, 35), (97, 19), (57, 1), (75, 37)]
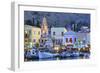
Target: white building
[(57, 33), (85, 29), (84, 37)]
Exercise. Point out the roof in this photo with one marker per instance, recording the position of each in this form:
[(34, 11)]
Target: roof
[(59, 28), (27, 27), (70, 33)]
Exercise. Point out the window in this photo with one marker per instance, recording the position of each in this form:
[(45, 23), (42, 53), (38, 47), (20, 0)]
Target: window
[(34, 32), (26, 35), (39, 40), (70, 40), (53, 33), (75, 39), (67, 40), (29, 31), (34, 40), (45, 33), (62, 33), (42, 41), (26, 40), (39, 33)]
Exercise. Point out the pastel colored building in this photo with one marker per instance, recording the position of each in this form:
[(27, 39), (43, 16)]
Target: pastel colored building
[(27, 36), (36, 35), (69, 38), (83, 37), (57, 33), (72, 38), (32, 35)]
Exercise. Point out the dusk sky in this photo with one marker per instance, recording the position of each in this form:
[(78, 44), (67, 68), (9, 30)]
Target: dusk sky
[(58, 19)]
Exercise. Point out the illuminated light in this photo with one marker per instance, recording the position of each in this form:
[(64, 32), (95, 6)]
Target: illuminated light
[(63, 48), (43, 31), (26, 32), (56, 48), (31, 44), (84, 49)]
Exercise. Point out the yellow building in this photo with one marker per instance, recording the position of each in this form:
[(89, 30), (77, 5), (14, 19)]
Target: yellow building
[(32, 36), (27, 37), (36, 35)]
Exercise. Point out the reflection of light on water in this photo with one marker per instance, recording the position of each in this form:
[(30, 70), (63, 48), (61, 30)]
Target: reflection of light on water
[(57, 58)]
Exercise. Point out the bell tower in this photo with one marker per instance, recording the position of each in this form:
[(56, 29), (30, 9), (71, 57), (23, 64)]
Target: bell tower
[(44, 27), (44, 31)]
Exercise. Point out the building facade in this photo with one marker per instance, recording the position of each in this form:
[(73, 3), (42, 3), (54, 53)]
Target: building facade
[(84, 38), (36, 35), (32, 35), (57, 34), (73, 39), (69, 38), (27, 36)]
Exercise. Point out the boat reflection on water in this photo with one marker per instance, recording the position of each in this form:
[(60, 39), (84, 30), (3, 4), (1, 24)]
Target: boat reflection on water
[(44, 56), (64, 58)]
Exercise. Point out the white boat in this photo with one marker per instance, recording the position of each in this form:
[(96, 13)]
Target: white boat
[(46, 55)]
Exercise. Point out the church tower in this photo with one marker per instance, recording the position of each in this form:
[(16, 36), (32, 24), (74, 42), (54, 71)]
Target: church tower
[(44, 27), (44, 30)]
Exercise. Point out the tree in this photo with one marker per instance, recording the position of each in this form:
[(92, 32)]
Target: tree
[(28, 22), (38, 23), (37, 45), (79, 42), (33, 20)]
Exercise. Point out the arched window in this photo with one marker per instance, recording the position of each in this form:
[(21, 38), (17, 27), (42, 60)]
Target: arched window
[(53, 33)]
